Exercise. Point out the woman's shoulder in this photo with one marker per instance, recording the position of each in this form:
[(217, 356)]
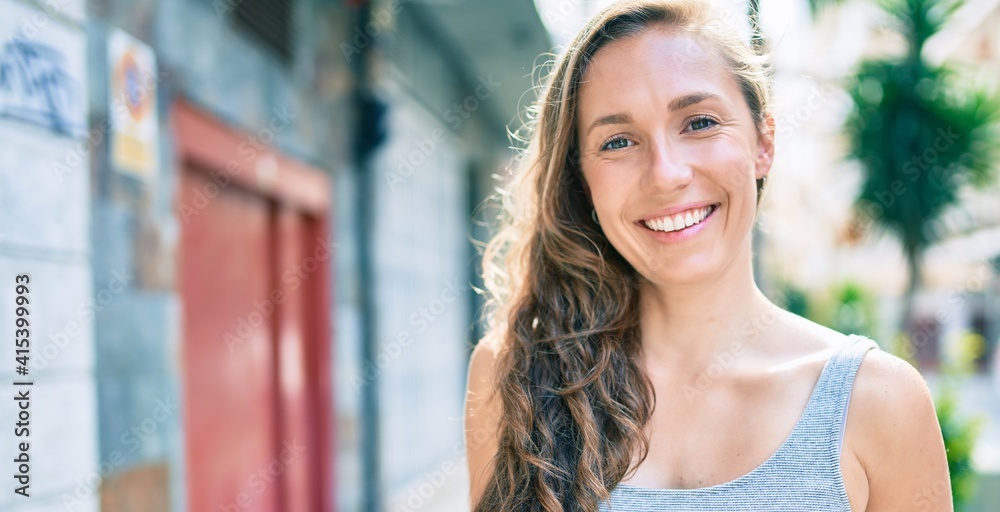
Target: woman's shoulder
[(482, 414), (888, 393), (877, 366), (881, 375), (893, 432), (482, 380), (485, 354), (799, 335), (892, 428)]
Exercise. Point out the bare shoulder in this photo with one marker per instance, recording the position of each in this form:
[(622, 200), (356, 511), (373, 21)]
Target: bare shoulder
[(482, 415), (896, 437), (892, 429), (482, 370), (807, 336), (891, 395)]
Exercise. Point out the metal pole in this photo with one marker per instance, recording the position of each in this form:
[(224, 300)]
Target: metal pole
[(364, 204)]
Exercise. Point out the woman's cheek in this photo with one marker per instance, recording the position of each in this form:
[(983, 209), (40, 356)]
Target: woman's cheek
[(736, 171)]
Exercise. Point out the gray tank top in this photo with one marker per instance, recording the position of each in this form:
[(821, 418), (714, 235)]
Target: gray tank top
[(802, 475)]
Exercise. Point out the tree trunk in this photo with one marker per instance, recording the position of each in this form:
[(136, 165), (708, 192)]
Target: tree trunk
[(906, 320)]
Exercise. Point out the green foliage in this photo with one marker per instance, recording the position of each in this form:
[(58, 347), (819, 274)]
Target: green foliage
[(854, 309), (850, 308), (794, 300), (847, 307), (815, 6), (918, 143), (919, 134), (959, 433), (959, 441), (918, 20)]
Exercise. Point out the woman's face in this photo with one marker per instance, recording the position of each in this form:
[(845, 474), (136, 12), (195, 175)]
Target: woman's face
[(667, 138)]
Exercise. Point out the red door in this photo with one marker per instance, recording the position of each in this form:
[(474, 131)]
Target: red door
[(254, 279)]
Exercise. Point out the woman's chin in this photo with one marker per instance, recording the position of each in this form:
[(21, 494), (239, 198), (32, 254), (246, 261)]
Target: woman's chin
[(677, 274)]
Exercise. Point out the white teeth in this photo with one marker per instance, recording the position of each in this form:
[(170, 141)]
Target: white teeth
[(679, 221)]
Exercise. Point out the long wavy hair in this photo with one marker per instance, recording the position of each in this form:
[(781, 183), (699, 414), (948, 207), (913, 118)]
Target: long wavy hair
[(562, 304)]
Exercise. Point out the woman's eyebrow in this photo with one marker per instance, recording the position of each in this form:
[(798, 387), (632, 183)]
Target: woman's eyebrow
[(610, 119), (687, 100), (676, 104)]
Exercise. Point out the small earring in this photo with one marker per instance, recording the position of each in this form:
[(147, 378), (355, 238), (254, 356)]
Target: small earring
[(593, 215)]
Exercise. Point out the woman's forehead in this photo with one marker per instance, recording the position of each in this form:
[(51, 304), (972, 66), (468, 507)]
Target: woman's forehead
[(653, 67)]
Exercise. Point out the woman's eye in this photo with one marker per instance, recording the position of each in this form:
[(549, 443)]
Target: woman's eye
[(616, 143), (702, 123)]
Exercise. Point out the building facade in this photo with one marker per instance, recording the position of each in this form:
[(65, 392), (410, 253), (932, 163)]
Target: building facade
[(181, 182)]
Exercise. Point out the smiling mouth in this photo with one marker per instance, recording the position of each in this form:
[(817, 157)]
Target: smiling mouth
[(680, 221)]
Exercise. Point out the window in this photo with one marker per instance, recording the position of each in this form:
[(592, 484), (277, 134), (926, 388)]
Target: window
[(270, 21)]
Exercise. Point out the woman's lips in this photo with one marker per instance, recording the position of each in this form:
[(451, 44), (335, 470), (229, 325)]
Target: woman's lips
[(680, 221), (680, 234)]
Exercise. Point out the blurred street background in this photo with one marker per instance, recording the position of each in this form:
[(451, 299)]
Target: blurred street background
[(249, 226)]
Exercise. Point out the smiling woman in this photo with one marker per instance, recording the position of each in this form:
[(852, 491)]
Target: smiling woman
[(631, 362)]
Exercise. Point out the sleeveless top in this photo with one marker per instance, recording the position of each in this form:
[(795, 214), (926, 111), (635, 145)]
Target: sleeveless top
[(804, 474)]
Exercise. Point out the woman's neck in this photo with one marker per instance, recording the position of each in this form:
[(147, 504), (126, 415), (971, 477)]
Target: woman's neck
[(690, 325)]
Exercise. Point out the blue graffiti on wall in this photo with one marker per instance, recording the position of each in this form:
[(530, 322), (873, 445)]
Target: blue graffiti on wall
[(35, 88)]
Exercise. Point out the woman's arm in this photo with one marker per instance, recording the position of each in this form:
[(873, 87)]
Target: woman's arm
[(900, 446), (482, 415)]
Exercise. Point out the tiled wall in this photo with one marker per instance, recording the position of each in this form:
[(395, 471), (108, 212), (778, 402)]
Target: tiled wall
[(101, 248), (44, 225)]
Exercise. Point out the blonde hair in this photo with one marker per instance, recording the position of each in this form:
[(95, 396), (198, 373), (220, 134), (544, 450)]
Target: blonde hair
[(562, 304)]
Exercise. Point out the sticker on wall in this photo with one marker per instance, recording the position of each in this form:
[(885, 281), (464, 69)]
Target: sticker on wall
[(132, 103), (42, 73)]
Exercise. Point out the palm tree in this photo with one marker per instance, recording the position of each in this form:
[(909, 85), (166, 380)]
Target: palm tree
[(919, 138)]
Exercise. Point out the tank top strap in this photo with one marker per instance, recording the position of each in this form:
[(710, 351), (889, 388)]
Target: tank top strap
[(803, 474), (834, 390)]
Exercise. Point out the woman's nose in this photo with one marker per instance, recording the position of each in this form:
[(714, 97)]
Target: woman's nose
[(667, 167)]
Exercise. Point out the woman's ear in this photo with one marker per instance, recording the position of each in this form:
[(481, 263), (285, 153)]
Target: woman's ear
[(765, 147)]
